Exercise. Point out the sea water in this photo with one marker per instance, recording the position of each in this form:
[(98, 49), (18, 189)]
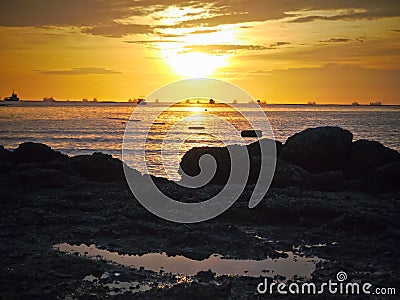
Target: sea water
[(78, 128)]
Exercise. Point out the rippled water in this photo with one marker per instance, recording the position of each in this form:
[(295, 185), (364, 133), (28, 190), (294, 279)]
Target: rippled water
[(83, 128)]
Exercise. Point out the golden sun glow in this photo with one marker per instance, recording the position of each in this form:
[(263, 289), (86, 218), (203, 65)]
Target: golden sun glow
[(196, 109), (195, 64)]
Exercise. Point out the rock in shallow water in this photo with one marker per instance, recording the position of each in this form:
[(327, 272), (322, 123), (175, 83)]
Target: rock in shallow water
[(37, 153), (322, 158), (5, 155), (287, 174), (190, 161), (318, 149), (365, 157), (98, 167), (387, 177)]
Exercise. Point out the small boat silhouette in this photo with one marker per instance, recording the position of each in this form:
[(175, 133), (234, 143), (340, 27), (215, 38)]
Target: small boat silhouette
[(13, 97)]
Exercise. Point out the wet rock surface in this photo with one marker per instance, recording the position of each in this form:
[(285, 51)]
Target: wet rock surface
[(97, 167), (365, 157), (43, 204), (5, 155), (190, 161), (318, 149), (37, 153), (322, 158)]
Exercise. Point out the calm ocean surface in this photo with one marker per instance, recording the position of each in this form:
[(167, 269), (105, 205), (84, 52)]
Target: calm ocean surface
[(84, 128)]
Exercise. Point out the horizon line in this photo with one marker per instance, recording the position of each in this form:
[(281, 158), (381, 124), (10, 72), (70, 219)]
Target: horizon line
[(153, 102)]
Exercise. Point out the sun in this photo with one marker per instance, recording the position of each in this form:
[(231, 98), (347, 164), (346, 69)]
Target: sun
[(195, 64)]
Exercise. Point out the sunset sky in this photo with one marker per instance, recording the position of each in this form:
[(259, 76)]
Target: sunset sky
[(328, 51)]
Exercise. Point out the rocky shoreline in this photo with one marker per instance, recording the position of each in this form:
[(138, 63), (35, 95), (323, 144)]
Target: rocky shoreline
[(322, 158), (331, 198)]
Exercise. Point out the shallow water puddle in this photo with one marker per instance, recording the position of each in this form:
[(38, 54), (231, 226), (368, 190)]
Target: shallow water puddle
[(289, 267)]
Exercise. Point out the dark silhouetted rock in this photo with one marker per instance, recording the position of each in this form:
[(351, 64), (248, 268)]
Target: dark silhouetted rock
[(254, 148), (5, 155), (354, 184), (287, 174), (37, 153), (366, 222), (98, 167), (328, 181), (322, 158), (206, 275), (387, 177), (45, 178), (190, 161), (365, 157), (318, 149), (254, 151), (251, 133)]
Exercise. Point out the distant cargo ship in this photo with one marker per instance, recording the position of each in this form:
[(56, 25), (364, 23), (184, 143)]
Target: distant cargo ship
[(375, 103), (355, 103), (51, 99), (141, 101), (13, 97)]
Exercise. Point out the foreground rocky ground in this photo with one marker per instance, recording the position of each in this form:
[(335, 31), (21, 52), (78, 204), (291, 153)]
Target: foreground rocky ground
[(47, 198)]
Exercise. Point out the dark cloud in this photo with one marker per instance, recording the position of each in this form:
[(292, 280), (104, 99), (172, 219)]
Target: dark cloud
[(344, 17), (220, 48), (356, 13), (278, 44), (223, 47), (98, 16), (336, 40), (204, 31), (344, 40), (240, 11), (168, 35), (62, 12), (93, 16), (151, 41), (20, 13), (118, 30), (78, 71)]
